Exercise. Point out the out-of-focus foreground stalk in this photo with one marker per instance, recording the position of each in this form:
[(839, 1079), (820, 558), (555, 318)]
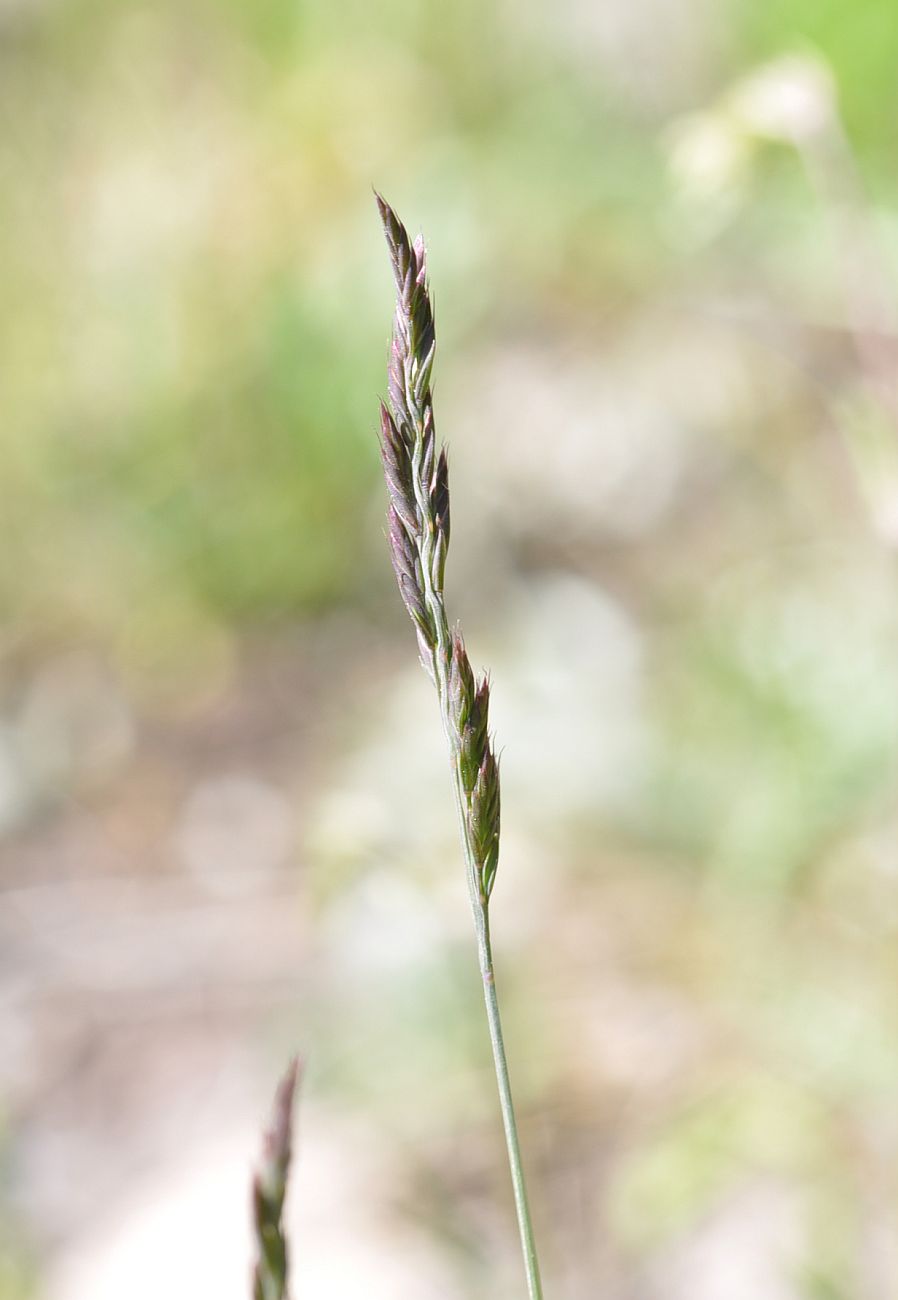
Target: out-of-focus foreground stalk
[(270, 1272)]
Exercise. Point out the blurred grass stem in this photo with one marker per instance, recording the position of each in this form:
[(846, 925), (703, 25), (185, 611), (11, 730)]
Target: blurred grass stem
[(269, 1192)]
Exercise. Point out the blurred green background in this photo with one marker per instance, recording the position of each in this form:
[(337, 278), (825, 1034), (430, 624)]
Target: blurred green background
[(662, 242)]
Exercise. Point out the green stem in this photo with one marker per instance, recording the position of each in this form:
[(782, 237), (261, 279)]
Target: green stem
[(480, 910), (525, 1225), (433, 598)]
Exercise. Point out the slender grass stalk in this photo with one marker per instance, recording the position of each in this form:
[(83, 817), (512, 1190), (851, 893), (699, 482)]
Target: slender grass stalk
[(270, 1273), (417, 477)]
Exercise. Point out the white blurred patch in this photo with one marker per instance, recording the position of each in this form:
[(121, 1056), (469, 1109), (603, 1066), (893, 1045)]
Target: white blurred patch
[(186, 1232), (594, 438), (749, 1247), (709, 162), (566, 704), (576, 446), (791, 99), (391, 796), (234, 833), (384, 923), (647, 53)]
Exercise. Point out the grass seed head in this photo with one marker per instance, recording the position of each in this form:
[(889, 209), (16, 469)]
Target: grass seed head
[(269, 1191), (415, 469), (417, 478), (417, 475)]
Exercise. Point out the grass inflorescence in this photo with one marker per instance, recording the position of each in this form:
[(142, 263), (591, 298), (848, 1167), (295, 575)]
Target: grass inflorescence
[(417, 476), (269, 1191)]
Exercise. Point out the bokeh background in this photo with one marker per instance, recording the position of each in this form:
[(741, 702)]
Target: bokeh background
[(663, 237)]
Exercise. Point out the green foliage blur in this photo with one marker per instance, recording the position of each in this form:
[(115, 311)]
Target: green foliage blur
[(194, 328), (192, 287)]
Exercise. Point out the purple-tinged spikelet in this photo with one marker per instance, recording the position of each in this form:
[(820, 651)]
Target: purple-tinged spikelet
[(484, 821), (397, 464), (474, 735), (269, 1192), (462, 686), (417, 477), (416, 472)]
